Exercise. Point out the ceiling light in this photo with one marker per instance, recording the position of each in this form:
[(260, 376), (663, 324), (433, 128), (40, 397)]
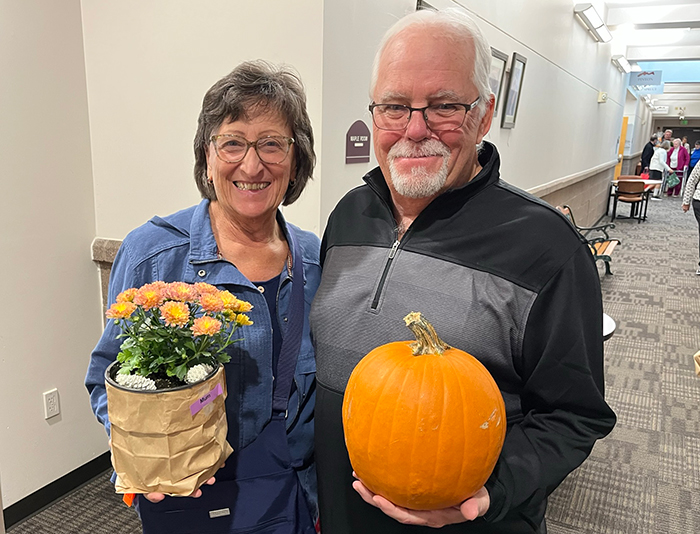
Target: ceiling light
[(621, 63), (587, 14)]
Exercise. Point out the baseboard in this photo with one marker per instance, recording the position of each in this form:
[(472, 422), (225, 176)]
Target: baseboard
[(57, 489)]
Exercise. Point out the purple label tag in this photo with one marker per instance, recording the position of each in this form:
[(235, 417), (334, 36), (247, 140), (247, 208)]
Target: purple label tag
[(208, 398)]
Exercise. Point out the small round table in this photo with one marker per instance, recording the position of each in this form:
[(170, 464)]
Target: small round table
[(609, 327)]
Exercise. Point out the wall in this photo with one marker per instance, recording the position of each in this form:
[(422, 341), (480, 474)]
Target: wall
[(565, 71), (148, 66), (51, 315)]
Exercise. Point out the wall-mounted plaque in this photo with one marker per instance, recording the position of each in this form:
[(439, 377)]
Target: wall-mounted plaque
[(357, 143)]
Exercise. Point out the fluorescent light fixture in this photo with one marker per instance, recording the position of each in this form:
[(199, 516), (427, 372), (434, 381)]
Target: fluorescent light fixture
[(590, 18), (621, 63)]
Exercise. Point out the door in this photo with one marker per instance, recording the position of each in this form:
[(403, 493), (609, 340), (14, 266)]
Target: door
[(621, 148)]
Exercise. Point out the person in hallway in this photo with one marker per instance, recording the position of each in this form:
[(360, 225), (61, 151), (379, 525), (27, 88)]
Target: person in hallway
[(648, 152), (685, 144), (692, 193), (694, 157), (677, 158), (668, 136), (501, 274), (254, 151), (658, 163)]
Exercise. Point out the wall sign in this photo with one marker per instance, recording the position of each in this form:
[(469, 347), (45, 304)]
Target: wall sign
[(357, 143)]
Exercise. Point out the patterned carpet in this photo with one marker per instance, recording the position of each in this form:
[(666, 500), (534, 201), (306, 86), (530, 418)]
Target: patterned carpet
[(642, 479)]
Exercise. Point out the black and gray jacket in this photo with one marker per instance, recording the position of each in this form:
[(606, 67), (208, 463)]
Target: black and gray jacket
[(501, 275)]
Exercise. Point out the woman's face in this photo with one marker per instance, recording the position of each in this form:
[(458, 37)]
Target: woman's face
[(251, 190), (676, 143)]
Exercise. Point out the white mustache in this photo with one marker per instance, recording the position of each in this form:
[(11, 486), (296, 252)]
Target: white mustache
[(408, 149)]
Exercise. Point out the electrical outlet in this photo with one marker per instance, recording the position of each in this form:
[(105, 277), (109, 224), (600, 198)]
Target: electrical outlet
[(51, 406)]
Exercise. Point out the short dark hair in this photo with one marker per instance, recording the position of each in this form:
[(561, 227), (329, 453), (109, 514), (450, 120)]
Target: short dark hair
[(256, 87)]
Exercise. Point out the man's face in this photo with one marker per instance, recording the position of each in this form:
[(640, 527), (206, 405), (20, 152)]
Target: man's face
[(668, 134), (417, 69)]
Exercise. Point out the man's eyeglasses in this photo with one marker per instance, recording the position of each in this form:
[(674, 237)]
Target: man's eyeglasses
[(438, 117), (233, 148)]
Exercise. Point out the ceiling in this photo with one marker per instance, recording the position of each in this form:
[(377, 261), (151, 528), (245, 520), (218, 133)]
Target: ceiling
[(661, 35)]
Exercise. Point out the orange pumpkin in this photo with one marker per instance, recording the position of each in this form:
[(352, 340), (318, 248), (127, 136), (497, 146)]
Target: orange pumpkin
[(424, 423)]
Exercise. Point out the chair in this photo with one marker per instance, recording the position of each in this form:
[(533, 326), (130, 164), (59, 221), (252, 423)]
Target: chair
[(632, 193), (601, 247)]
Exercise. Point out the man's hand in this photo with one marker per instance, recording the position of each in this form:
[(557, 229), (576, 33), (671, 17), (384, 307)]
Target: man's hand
[(469, 510), (685, 207), (157, 497)]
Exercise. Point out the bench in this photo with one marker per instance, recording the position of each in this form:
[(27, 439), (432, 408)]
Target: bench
[(601, 246)]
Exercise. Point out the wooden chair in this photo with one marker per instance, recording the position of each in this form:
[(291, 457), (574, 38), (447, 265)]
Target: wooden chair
[(601, 247), (632, 193)]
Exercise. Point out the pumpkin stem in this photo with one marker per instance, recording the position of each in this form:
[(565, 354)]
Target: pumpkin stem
[(427, 340)]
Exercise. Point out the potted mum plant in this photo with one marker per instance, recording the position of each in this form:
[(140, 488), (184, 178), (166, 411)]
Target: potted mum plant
[(166, 389)]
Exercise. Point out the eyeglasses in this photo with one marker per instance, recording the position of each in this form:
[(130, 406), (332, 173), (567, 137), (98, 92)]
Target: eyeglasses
[(233, 148), (438, 117)]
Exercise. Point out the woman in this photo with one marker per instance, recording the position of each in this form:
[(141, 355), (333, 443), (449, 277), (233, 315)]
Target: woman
[(658, 164), (677, 159), (253, 152), (692, 192)]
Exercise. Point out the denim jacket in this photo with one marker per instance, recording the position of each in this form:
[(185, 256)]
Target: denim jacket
[(181, 247)]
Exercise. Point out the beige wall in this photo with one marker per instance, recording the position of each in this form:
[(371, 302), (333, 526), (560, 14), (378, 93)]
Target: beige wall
[(148, 66), (50, 315)]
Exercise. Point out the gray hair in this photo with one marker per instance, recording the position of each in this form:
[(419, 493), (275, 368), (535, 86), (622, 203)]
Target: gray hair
[(252, 88), (666, 145), (461, 30)]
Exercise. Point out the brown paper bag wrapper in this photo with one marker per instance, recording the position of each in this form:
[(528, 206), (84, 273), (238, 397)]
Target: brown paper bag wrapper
[(697, 362), (159, 445)]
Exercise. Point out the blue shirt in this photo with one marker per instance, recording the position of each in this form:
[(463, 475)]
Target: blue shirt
[(182, 247)]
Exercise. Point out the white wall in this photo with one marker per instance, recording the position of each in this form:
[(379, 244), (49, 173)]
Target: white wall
[(51, 309), (148, 66), (352, 31)]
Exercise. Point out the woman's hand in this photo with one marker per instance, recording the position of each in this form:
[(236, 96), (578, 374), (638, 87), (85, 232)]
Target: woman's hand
[(685, 207), (469, 510), (157, 497)]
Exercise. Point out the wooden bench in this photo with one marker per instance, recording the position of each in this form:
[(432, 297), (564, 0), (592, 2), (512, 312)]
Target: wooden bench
[(602, 246)]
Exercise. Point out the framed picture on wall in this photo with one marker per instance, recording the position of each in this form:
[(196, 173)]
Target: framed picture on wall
[(515, 84), (499, 60)]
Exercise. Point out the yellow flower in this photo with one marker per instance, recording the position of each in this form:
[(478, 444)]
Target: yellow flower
[(180, 291), (149, 296), (211, 303), (206, 326), (127, 295), (175, 313), (120, 310), (242, 319)]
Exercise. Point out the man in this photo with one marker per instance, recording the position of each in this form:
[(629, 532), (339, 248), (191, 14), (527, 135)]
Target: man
[(499, 273), (648, 152), (668, 136)]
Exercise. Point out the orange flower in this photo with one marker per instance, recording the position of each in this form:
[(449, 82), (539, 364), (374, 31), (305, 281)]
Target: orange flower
[(211, 303), (243, 306), (127, 295), (205, 289), (121, 310), (180, 291), (149, 296), (206, 326), (175, 313), (242, 319)]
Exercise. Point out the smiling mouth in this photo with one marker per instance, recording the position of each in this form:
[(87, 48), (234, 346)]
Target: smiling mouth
[(251, 186)]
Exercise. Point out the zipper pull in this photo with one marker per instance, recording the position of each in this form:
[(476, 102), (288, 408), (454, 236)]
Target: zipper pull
[(394, 248)]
